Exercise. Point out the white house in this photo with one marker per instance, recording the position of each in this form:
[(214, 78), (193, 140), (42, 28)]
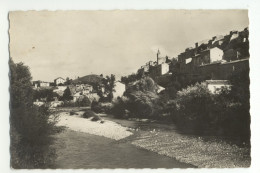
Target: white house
[(77, 96), (214, 86), (119, 89), (216, 54), (41, 84), (164, 68), (59, 80)]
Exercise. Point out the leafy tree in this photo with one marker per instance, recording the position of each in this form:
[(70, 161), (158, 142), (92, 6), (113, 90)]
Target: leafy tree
[(46, 94), (68, 81), (30, 126), (20, 82), (67, 94), (108, 83), (130, 78), (140, 74), (145, 84)]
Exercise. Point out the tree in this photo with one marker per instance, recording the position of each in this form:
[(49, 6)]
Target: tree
[(46, 94), (110, 85), (68, 81), (67, 94), (30, 128), (20, 85)]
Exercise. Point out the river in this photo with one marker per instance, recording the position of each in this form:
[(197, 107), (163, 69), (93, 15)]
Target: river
[(77, 150)]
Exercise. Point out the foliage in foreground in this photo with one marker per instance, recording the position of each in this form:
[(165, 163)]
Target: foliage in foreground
[(196, 108), (31, 127), (141, 100), (193, 108)]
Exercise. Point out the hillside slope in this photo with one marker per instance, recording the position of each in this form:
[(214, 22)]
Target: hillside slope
[(89, 79)]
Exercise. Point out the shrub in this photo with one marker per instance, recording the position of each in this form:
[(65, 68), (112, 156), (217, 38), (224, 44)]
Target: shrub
[(72, 113), (34, 130), (96, 107), (195, 108), (67, 94), (141, 100), (47, 94), (88, 114), (193, 105), (119, 107), (141, 104), (96, 118)]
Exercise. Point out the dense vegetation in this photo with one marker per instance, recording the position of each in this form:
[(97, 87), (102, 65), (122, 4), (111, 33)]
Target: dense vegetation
[(193, 108), (31, 127), (45, 94), (140, 100), (79, 103)]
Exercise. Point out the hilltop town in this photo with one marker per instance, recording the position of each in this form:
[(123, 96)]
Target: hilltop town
[(213, 60)]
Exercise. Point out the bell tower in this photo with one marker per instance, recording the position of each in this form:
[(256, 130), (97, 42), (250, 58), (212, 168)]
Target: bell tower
[(158, 53)]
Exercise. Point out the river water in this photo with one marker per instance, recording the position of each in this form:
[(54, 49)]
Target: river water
[(77, 150)]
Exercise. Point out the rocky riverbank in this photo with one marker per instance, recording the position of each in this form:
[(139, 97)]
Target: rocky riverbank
[(194, 150)]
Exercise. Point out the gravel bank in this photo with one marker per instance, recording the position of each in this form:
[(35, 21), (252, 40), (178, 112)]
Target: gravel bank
[(194, 150), (107, 129)]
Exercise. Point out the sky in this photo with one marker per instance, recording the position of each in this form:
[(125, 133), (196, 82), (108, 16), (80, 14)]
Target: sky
[(77, 43)]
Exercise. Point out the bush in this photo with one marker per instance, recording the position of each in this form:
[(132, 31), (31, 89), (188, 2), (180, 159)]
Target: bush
[(96, 107), (67, 95), (88, 114), (73, 113), (46, 94), (96, 118), (34, 130), (141, 100), (141, 104), (119, 107), (195, 108), (84, 102)]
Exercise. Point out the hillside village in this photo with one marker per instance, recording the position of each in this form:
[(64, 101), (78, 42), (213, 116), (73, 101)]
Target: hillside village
[(212, 60), (89, 86)]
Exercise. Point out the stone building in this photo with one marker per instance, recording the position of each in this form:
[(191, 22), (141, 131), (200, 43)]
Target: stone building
[(39, 83), (59, 80)]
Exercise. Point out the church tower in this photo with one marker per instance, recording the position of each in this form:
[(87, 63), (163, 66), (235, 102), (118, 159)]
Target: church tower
[(158, 53)]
